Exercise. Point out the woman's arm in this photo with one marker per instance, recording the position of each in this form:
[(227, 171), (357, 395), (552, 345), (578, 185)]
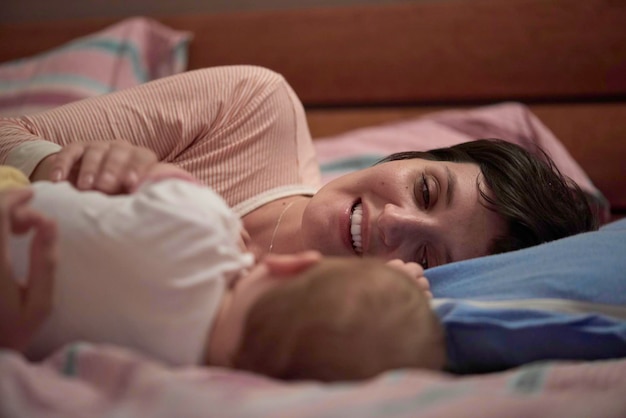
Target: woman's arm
[(194, 120)]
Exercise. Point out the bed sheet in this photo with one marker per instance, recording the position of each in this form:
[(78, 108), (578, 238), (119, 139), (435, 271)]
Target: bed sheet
[(98, 381)]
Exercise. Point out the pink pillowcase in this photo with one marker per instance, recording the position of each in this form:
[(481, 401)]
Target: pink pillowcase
[(131, 52), (512, 122)]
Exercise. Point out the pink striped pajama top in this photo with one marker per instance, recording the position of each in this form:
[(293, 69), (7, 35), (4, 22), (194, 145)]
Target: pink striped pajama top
[(240, 130)]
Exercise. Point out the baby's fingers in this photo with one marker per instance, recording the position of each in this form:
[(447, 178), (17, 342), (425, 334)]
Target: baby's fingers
[(38, 294), (412, 269), (423, 283), (9, 200), (24, 218)]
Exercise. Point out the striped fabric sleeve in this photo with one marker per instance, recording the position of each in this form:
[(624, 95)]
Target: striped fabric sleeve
[(239, 129), (26, 156)]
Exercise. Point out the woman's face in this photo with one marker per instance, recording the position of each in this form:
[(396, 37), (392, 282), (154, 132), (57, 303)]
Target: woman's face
[(430, 212)]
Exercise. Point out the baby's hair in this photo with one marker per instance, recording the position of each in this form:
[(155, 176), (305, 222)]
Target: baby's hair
[(341, 321)]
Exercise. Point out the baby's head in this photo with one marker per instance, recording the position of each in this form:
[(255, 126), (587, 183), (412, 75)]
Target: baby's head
[(308, 317)]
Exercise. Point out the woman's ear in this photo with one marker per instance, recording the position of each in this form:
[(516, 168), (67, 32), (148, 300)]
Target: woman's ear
[(291, 264)]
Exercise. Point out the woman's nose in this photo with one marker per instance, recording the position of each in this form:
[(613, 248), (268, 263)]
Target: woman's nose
[(396, 224)]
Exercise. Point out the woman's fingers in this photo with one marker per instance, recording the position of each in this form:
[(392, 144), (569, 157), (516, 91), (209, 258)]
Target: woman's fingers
[(60, 164), (108, 166), (113, 168), (90, 164), (140, 161)]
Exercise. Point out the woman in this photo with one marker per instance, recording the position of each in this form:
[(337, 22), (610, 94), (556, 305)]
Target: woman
[(242, 131)]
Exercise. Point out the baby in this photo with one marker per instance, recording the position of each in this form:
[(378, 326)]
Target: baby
[(333, 319), (161, 271)]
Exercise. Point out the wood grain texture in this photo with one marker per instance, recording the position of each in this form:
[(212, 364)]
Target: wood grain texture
[(430, 52), (426, 52)]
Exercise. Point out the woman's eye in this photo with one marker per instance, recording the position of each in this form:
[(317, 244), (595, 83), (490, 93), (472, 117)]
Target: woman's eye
[(425, 192)]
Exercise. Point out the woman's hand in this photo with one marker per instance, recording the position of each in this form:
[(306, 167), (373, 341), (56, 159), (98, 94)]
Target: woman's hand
[(111, 167), (415, 271), (24, 308)]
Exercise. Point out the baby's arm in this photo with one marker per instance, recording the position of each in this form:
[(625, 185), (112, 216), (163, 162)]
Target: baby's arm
[(24, 308), (415, 271)]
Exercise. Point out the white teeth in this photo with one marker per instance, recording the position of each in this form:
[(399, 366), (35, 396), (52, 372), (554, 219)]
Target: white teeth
[(355, 228)]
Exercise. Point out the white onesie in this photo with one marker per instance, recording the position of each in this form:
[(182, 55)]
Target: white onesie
[(146, 270)]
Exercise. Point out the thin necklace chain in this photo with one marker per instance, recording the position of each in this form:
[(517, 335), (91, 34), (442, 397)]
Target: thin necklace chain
[(280, 218)]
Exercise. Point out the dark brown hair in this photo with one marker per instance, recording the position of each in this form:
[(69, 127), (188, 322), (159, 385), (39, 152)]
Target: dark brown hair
[(536, 201), (342, 320)]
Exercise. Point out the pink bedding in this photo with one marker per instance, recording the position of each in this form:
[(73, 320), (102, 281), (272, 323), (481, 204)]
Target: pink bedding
[(131, 52), (98, 381)]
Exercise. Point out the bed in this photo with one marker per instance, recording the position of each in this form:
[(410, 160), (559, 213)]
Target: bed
[(367, 71)]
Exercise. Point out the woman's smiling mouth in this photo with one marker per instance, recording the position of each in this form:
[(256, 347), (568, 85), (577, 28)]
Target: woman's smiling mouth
[(356, 217)]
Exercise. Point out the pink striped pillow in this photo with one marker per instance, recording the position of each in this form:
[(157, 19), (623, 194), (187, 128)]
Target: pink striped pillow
[(131, 52)]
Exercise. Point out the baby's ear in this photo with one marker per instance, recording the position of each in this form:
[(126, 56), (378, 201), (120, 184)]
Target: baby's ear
[(290, 264)]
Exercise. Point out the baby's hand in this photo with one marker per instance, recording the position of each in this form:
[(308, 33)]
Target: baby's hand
[(24, 308), (415, 271)]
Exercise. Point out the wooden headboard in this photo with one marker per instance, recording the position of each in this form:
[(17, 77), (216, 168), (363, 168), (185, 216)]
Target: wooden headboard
[(360, 65)]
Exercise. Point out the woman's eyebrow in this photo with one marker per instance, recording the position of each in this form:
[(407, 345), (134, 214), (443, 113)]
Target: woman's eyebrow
[(451, 186)]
